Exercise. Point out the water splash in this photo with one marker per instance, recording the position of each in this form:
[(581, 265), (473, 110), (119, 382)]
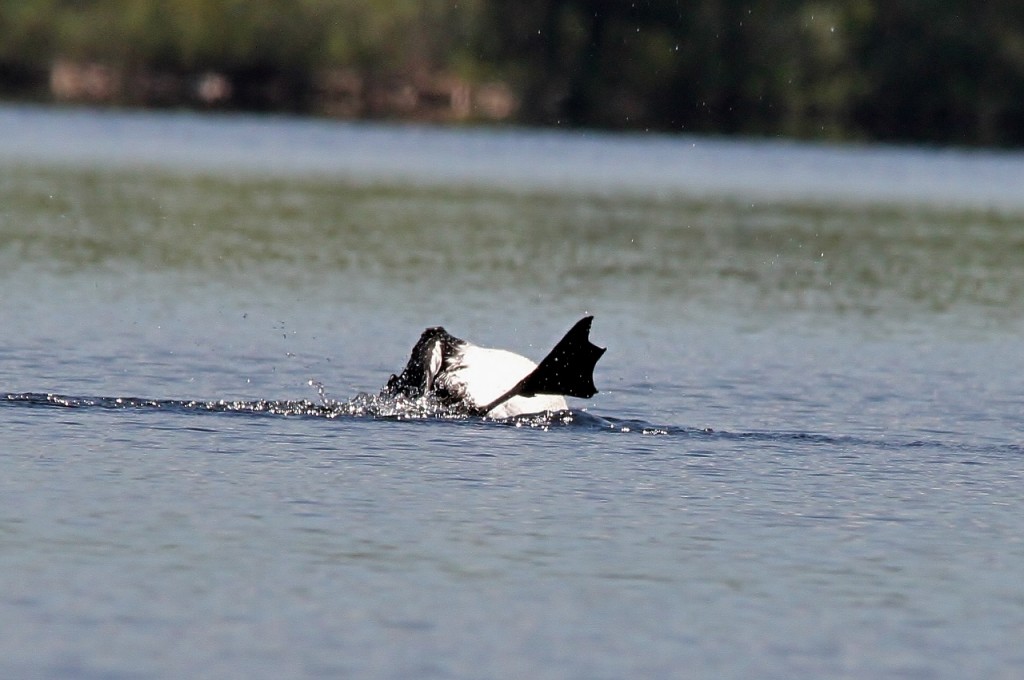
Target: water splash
[(362, 405)]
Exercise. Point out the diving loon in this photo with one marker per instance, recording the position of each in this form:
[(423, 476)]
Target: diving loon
[(494, 382)]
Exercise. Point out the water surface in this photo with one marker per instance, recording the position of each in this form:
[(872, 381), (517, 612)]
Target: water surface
[(804, 460)]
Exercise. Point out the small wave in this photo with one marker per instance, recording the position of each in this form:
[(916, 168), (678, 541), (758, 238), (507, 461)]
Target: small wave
[(399, 408), (362, 405)]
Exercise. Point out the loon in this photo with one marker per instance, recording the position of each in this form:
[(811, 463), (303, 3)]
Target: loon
[(494, 382)]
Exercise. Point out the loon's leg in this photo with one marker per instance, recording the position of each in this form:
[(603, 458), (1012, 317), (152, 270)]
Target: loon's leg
[(568, 369)]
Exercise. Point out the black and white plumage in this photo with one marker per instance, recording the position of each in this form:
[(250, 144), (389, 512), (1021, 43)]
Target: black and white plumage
[(495, 382)]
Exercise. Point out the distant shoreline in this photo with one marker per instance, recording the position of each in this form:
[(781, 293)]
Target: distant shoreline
[(342, 93), (948, 74)]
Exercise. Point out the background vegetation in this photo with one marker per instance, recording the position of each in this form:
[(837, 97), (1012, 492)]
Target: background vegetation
[(941, 71)]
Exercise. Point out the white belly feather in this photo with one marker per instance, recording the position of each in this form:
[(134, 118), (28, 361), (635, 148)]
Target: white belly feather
[(484, 374)]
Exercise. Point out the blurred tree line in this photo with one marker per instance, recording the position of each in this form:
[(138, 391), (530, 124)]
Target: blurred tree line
[(941, 71)]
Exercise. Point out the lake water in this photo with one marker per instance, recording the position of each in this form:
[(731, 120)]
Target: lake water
[(804, 462)]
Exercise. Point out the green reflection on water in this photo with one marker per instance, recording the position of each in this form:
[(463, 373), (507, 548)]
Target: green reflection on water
[(834, 258)]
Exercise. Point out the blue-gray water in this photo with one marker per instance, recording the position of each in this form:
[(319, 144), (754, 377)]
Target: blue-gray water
[(804, 461)]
